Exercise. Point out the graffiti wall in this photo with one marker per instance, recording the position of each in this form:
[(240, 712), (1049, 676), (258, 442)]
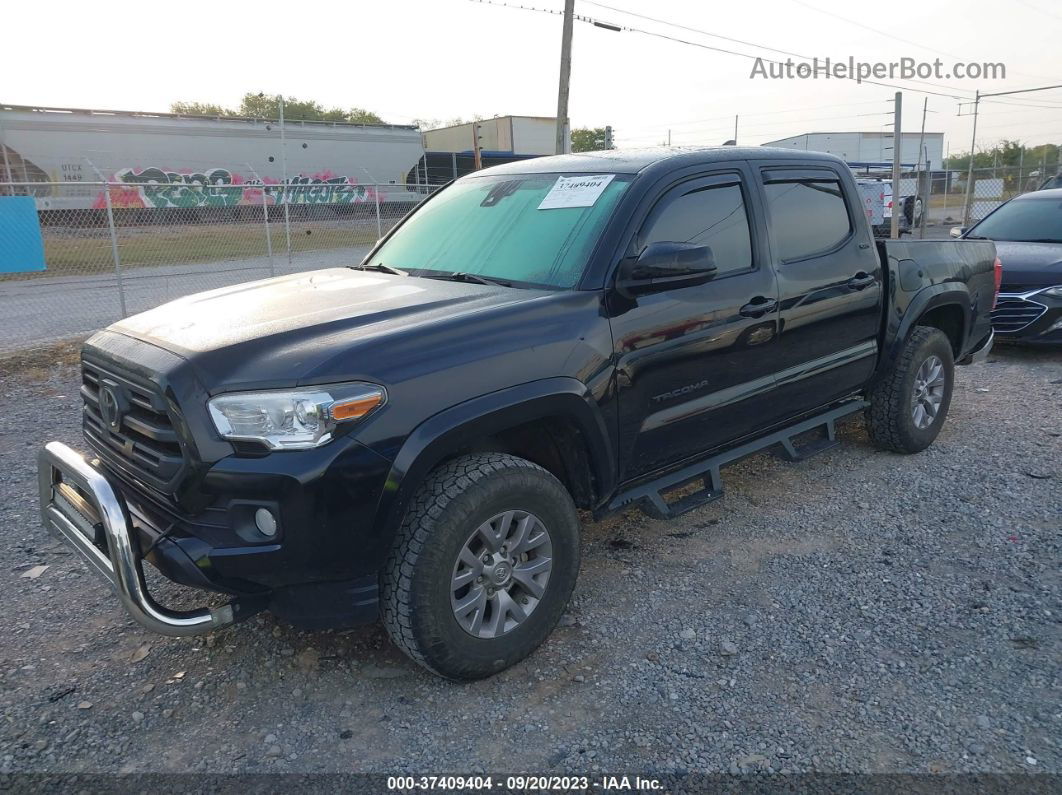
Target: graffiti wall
[(219, 187)]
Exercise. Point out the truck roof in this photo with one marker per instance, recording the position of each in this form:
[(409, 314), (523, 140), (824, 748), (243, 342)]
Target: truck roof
[(634, 161)]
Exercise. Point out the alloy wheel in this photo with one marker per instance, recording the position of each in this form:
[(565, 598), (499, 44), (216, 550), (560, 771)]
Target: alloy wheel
[(501, 574), (928, 392)]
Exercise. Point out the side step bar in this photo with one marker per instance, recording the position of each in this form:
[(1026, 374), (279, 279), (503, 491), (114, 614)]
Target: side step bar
[(650, 496)]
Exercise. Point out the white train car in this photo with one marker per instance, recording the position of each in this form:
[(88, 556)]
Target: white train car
[(173, 161)]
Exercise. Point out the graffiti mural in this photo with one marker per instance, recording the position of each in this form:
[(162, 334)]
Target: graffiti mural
[(219, 187)]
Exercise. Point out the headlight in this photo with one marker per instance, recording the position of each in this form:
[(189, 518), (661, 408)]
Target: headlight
[(1052, 292), (293, 419)]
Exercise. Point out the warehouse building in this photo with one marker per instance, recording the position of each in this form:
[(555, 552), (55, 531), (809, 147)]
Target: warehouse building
[(868, 150)]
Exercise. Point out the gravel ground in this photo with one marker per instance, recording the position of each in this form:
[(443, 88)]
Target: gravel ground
[(861, 611)]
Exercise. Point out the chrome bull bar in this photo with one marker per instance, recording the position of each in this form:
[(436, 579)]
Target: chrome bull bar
[(77, 501)]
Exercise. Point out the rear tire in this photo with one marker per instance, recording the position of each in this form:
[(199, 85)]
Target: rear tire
[(482, 567), (909, 404)]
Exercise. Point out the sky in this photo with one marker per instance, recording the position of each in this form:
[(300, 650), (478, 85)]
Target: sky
[(441, 59)]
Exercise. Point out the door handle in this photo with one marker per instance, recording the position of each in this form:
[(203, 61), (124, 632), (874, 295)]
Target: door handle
[(861, 281), (758, 307)]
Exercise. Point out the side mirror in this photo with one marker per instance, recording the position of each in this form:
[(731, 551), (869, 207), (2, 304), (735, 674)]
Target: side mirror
[(665, 266), (957, 231)]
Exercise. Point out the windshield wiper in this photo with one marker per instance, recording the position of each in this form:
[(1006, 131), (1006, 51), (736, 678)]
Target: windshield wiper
[(1044, 240), (475, 278), (379, 266)]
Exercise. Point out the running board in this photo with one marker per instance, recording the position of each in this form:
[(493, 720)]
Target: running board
[(650, 496)]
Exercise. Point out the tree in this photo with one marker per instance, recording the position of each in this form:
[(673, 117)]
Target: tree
[(362, 116), (199, 109), (267, 106), (435, 124), (588, 139)]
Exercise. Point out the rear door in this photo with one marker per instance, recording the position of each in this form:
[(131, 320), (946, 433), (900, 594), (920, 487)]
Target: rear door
[(829, 284), (693, 367)]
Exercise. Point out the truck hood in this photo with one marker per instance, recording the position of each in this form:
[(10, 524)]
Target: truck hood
[(291, 329), (1027, 266)]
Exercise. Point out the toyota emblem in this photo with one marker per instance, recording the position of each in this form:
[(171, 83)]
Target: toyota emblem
[(112, 405)]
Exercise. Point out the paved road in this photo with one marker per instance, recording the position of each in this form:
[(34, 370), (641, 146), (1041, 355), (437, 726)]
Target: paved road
[(39, 311)]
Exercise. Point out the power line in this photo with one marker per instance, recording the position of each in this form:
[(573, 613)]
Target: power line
[(1027, 4), (781, 63), (730, 117), (695, 30), (887, 35), (875, 30), (700, 45), (761, 125), (1025, 104), (741, 41)]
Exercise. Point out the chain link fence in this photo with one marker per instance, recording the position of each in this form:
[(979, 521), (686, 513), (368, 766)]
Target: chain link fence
[(990, 187), (114, 249), (943, 197)]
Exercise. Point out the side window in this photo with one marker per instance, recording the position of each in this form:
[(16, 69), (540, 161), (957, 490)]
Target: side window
[(712, 216), (808, 215)]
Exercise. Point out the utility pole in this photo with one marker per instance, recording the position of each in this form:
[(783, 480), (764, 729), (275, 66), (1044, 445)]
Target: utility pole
[(897, 139), (565, 76), (970, 168), (923, 177), (669, 137), (477, 153), (978, 96), (735, 129), (284, 177)]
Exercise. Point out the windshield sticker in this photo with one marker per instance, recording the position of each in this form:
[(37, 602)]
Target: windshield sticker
[(576, 191)]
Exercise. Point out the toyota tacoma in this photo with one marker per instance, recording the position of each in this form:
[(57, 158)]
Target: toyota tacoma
[(410, 438)]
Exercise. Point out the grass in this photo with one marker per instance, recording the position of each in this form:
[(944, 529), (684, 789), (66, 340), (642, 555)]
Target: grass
[(79, 252), (39, 363)]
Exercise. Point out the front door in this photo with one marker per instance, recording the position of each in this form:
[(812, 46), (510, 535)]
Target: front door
[(694, 368)]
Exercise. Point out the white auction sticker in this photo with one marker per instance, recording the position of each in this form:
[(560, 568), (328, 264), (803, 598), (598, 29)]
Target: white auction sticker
[(576, 191)]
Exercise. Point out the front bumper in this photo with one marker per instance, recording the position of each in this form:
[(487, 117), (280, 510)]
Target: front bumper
[(81, 506)]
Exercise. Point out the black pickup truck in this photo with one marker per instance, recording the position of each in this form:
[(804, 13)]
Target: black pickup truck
[(410, 438)]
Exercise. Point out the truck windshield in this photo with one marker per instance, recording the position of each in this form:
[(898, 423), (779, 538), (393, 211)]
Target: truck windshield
[(508, 228), (1029, 220)]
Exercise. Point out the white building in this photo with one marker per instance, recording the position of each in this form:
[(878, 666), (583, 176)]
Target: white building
[(868, 148)]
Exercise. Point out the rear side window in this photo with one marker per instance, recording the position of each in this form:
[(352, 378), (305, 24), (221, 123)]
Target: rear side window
[(808, 216), (712, 216)]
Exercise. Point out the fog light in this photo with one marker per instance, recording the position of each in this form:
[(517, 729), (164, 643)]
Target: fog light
[(266, 522)]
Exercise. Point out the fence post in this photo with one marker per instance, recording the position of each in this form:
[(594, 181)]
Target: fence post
[(379, 223), (269, 235), (114, 247), (927, 193)]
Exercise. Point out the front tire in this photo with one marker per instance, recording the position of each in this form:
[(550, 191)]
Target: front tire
[(910, 402), (482, 567)]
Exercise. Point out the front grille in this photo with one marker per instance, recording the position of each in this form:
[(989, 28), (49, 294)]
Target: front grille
[(144, 444), (1013, 313)]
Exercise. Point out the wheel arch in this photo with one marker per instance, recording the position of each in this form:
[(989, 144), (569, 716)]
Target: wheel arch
[(943, 306), (556, 421)]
